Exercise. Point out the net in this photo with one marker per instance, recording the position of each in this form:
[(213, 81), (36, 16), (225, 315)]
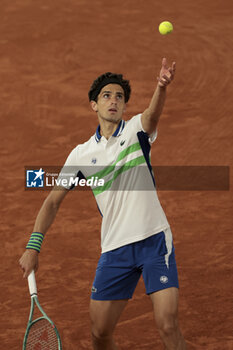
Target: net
[(42, 336)]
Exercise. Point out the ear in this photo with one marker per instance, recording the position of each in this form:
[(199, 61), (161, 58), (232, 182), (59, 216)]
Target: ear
[(94, 106), (125, 107)]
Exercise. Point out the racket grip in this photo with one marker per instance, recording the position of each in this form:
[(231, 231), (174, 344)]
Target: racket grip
[(32, 283)]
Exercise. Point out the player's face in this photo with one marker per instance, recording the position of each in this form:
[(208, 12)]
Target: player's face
[(111, 103)]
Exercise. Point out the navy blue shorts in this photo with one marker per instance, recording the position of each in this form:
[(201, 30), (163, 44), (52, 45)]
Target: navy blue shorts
[(119, 270)]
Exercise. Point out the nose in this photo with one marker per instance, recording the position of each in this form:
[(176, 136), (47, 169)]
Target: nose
[(114, 99)]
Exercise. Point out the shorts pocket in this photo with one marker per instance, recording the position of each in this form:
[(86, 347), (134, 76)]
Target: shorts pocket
[(158, 244)]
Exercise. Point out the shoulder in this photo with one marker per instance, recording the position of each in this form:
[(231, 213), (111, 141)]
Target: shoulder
[(135, 124), (80, 150), (86, 145), (136, 119)]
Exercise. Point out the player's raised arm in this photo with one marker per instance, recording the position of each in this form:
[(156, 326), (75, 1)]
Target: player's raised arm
[(150, 116), (44, 220)]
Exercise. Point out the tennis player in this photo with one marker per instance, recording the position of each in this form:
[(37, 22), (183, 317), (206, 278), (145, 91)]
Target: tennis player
[(136, 238)]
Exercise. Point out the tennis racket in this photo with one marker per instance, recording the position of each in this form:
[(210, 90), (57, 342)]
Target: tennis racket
[(41, 333)]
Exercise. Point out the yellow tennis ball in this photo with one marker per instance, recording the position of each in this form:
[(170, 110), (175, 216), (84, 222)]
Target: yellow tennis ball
[(165, 27)]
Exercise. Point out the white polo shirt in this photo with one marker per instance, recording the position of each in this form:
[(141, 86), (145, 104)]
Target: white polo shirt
[(128, 200)]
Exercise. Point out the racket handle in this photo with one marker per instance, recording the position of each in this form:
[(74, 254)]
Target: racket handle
[(32, 283)]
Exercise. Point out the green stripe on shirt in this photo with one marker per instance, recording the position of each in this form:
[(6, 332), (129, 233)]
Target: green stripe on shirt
[(127, 166), (100, 174)]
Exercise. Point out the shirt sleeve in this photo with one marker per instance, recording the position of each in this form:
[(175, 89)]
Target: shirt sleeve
[(136, 123), (70, 170)]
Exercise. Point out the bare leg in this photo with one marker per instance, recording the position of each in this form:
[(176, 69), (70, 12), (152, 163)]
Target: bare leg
[(104, 317), (165, 303)]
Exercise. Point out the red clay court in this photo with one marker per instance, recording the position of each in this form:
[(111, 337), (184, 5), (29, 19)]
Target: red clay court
[(50, 52)]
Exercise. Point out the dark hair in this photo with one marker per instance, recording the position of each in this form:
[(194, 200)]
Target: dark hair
[(105, 79)]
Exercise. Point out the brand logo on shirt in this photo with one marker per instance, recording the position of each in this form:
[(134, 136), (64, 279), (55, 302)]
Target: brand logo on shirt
[(122, 142), (94, 160)]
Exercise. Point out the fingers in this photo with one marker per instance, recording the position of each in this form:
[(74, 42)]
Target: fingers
[(164, 80), (161, 82), (166, 74), (24, 268), (27, 272), (36, 267), (164, 62), (29, 262), (172, 70)]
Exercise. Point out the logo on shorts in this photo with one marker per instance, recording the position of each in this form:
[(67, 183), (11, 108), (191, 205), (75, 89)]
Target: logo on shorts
[(93, 289), (94, 160), (163, 279), (35, 178)]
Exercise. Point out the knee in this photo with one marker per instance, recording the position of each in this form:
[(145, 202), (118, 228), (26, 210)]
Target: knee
[(100, 333), (100, 330), (168, 326), (101, 337)]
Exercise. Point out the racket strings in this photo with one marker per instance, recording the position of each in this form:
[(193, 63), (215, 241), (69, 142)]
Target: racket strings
[(42, 336)]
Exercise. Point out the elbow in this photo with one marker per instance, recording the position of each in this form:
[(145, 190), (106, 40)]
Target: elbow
[(55, 197), (149, 123), (52, 203)]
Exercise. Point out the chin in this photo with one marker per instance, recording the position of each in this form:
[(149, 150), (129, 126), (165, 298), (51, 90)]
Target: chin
[(112, 119)]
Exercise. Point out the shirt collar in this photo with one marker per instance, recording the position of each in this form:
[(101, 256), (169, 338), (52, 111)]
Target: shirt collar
[(97, 134), (118, 131)]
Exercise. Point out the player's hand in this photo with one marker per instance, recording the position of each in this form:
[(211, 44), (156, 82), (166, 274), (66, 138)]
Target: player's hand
[(29, 261), (166, 74)]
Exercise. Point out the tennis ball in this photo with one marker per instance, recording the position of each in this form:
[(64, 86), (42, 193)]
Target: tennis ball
[(165, 27)]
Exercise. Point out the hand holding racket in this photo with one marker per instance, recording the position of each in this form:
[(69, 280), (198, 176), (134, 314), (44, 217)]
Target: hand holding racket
[(29, 261), (41, 333)]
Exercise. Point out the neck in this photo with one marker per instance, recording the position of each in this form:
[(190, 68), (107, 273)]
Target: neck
[(108, 128)]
